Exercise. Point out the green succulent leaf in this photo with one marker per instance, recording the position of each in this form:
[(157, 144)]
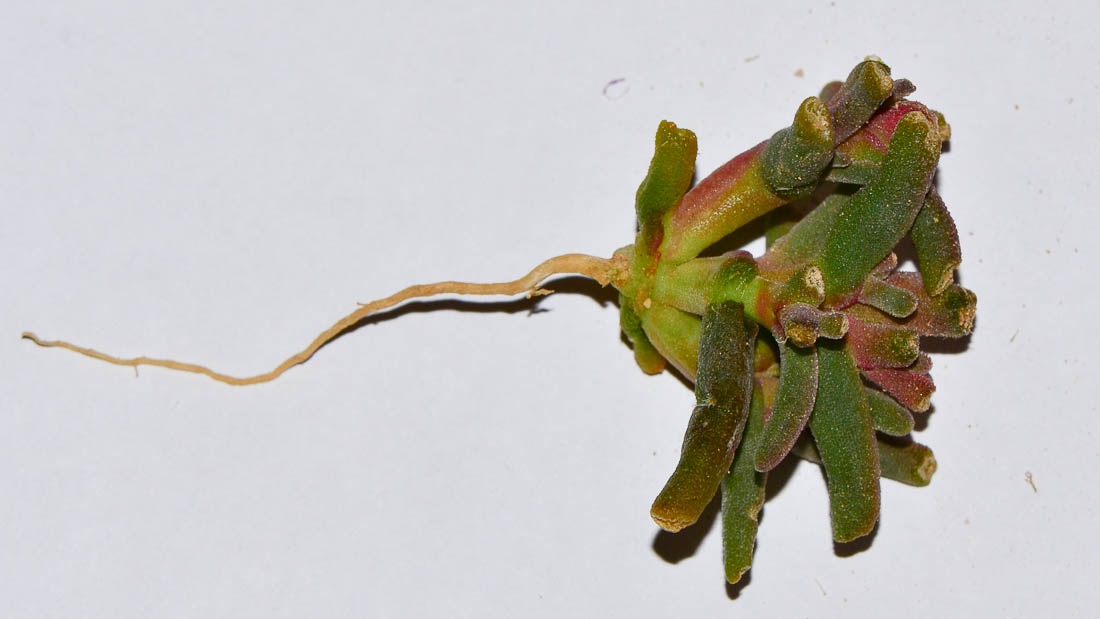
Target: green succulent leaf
[(872, 222), (796, 156), (859, 157), (675, 333), (743, 495), (845, 438), (723, 388), (645, 354), (670, 172), (911, 464), (898, 302), (855, 101), (803, 242), (887, 416), (937, 243), (794, 402)]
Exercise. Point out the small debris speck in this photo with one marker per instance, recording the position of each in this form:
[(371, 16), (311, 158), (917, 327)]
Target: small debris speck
[(823, 594), (1013, 338), (967, 521), (751, 58), (1030, 481), (798, 73), (616, 88), (1016, 106), (1070, 100)]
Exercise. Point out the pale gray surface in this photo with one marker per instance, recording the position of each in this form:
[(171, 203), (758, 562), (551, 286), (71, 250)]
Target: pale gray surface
[(219, 184)]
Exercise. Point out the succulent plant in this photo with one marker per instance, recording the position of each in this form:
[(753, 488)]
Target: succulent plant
[(812, 348)]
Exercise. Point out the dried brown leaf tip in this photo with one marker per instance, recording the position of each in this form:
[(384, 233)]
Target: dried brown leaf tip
[(811, 349)]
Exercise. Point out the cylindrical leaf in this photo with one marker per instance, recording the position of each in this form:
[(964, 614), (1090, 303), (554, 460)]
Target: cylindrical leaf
[(937, 243), (722, 391), (895, 301), (793, 404), (911, 464), (887, 416), (881, 213), (867, 87), (645, 354), (797, 155), (743, 496), (912, 389), (841, 427)]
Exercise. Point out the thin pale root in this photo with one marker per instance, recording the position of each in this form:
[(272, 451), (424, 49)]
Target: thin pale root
[(602, 270)]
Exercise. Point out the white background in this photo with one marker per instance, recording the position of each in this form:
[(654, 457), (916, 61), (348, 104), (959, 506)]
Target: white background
[(218, 184)]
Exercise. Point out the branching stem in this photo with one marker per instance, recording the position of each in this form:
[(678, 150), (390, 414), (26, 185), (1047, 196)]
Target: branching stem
[(602, 270)]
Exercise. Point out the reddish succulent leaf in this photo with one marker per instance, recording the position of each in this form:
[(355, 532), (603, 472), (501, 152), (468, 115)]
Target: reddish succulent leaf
[(912, 389), (727, 199), (949, 314), (882, 346), (923, 364), (865, 151)]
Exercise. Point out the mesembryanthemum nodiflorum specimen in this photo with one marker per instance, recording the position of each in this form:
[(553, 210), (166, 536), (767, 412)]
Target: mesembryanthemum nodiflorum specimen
[(812, 348), (843, 359)]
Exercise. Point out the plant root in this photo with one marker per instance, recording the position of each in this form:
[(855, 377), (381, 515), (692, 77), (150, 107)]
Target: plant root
[(602, 270)]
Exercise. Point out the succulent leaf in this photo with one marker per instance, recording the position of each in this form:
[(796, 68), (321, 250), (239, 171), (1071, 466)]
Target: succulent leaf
[(887, 416), (949, 314), (796, 156), (669, 177), (937, 243), (675, 334), (853, 102), (670, 172), (898, 302), (794, 402), (723, 388), (645, 354), (911, 464), (912, 389), (872, 222), (803, 242), (882, 346), (841, 427), (743, 495), (859, 157)]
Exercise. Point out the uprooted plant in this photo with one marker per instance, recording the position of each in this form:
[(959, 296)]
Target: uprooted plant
[(839, 352)]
